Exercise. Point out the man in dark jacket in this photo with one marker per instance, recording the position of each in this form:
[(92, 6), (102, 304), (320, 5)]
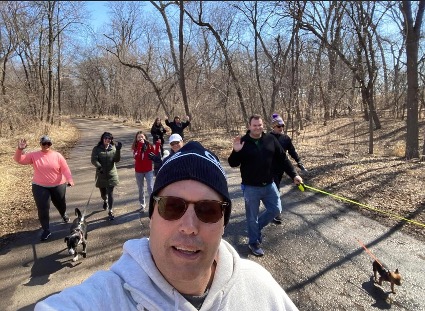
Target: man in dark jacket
[(285, 141), (257, 153), (177, 126)]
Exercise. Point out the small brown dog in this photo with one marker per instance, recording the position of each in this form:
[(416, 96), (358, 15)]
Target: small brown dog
[(386, 275)]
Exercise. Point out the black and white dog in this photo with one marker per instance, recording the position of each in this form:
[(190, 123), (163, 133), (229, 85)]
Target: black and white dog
[(77, 236)]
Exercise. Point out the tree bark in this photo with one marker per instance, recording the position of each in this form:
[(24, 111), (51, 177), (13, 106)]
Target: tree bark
[(412, 34)]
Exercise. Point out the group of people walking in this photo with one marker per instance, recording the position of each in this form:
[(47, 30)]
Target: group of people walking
[(185, 263), (261, 158), (52, 174)]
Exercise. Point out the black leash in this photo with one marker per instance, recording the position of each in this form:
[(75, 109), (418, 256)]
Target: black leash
[(88, 201)]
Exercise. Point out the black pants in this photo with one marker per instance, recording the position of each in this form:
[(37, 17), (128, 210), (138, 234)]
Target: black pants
[(43, 196), (108, 194)]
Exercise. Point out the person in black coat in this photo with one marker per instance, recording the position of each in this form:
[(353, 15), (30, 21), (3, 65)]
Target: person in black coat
[(285, 141), (257, 153), (177, 126), (157, 132)]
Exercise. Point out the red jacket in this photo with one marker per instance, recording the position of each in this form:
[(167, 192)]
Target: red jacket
[(142, 162)]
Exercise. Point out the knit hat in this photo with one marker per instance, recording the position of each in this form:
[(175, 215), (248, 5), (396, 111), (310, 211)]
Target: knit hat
[(277, 120), (193, 162), (175, 137), (106, 135), (45, 139)]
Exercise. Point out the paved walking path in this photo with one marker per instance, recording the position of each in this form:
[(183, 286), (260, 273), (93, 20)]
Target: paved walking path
[(314, 254)]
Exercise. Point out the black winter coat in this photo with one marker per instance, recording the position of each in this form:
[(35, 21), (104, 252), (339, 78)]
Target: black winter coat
[(157, 132), (177, 128), (258, 161), (286, 143)]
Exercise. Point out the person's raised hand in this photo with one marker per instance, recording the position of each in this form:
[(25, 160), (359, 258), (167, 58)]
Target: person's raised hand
[(187, 118), (237, 145), (22, 144), (118, 145)]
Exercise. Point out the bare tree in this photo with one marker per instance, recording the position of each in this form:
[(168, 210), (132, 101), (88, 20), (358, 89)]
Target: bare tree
[(199, 20), (364, 69), (412, 31)]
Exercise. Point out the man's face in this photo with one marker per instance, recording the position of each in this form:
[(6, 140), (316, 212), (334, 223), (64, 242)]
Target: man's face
[(256, 128), (177, 120), (184, 249), (176, 145), (278, 128)]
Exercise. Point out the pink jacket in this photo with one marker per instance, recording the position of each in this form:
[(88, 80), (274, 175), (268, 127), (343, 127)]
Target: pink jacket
[(50, 168)]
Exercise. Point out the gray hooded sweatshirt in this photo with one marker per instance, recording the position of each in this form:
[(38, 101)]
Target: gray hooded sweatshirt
[(135, 283)]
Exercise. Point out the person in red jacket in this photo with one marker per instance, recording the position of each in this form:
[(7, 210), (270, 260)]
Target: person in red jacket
[(143, 152)]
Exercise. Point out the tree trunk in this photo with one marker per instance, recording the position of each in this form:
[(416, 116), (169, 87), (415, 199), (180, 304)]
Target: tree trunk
[(182, 80), (412, 33), (59, 75), (51, 5)]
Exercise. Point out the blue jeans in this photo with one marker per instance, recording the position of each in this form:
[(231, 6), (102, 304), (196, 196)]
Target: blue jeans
[(270, 197), (140, 178)]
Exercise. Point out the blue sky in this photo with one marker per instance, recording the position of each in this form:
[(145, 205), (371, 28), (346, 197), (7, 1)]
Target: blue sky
[(99, 12)]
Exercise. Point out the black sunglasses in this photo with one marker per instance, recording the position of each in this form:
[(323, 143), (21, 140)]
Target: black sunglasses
[(173, 208), (46, 144), (279, 126)]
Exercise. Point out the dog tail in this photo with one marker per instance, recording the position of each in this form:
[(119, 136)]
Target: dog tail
[(77, 212)]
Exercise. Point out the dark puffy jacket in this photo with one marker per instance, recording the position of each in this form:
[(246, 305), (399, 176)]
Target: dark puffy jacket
[(257, 161), (157, 132), (104, 160), (177, 128)]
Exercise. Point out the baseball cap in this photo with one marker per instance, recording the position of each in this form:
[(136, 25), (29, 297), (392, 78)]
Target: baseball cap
[(175, 137), (45, 139)]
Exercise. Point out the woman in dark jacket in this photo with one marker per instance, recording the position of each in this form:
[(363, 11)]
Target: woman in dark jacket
[(157, 132), (104, 156)]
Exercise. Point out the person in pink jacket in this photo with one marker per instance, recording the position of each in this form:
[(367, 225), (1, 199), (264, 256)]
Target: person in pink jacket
[(49, 182), (143, 153)]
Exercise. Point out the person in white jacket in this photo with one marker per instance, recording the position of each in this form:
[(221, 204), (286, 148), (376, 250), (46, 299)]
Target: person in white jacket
[(184, 264)]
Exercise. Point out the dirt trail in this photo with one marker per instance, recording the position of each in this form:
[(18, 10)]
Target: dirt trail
[(314, 255)]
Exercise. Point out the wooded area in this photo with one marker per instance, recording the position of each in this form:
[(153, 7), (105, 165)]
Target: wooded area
[(217, 62)]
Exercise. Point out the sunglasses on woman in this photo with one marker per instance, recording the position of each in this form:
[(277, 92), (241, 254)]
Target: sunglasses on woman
[(46, 144), (173, 208)]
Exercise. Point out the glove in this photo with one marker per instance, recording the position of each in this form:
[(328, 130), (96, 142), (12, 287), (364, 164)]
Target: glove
[(155, 158), (118, 146), (99, 170), (145, 145), (301, 166)]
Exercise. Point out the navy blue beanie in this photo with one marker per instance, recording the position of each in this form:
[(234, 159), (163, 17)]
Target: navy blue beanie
[(193, 162)]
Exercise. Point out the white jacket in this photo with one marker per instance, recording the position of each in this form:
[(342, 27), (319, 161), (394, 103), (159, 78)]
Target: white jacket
[(134, 283)]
